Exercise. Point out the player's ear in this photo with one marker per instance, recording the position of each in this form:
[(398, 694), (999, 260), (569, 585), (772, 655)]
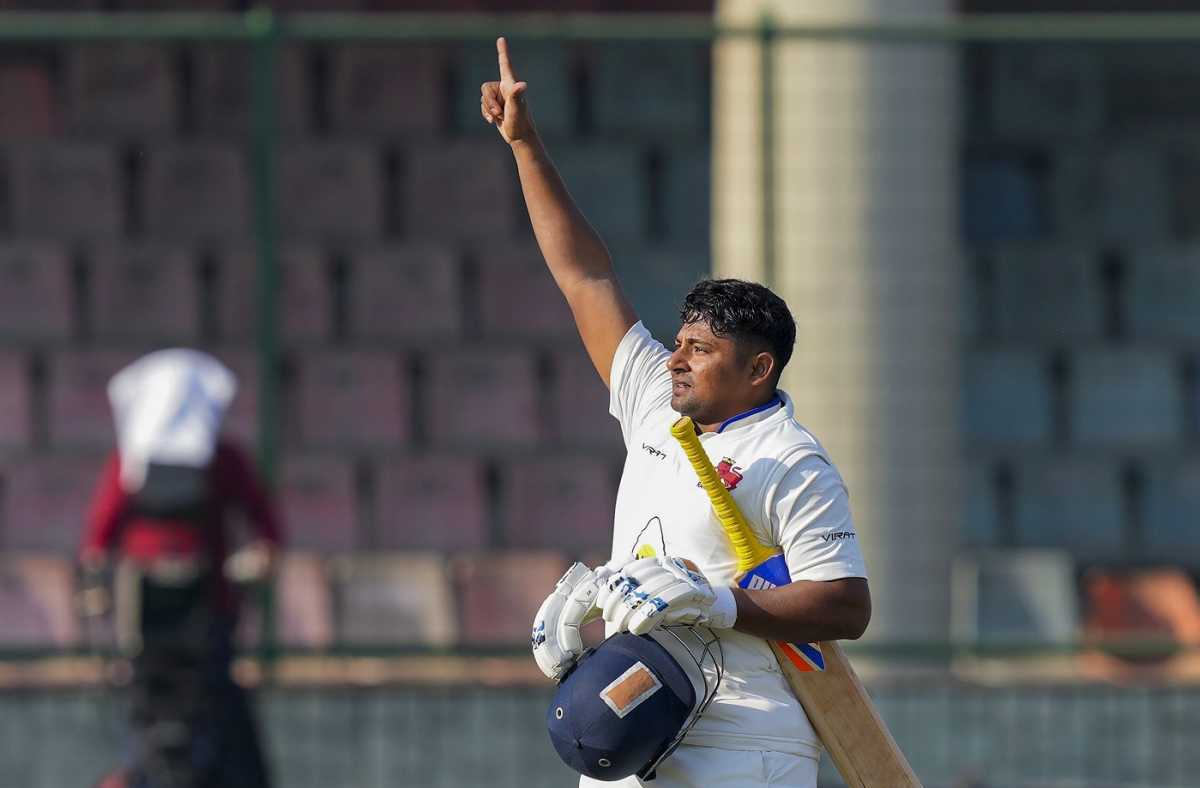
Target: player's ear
[(762, 367)]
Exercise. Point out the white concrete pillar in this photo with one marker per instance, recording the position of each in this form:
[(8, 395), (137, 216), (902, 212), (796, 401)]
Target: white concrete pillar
[(866, 255)]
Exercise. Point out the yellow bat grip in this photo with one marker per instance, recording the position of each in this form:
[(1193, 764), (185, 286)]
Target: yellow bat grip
[(750, 552)]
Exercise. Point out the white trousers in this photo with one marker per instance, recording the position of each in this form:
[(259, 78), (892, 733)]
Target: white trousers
[(709, 767)]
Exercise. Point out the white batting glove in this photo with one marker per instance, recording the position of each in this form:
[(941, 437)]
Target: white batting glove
[(556, 641), (651, 592)]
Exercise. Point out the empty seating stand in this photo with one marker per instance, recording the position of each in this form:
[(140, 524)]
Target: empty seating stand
[(353, 400), (145, 294), (197, 192), (121, 89), (460, 191), (1172, 500), (28, 86), (16, 405), (499, 593), (1047, 293), (519, 299), (304, 311), (330, 192), (46, 501), (1126, 397), (1008, 397), (388, 90), (581, 400), (672, 89), (394, 599), (1073, 504), (410, 293), (37, 603), (432, 502), (221, 93), (320, 504), (1164, 294), (65, 191), (78, 408), (475, 399)]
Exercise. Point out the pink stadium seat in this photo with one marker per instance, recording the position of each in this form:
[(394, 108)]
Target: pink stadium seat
[(305, 310), (395, 599), (406, 292), (393, 89), (330, 191), (561, 502), (353, 399), (319, 504), (432, 502), (65, 191), (518, 297), (121, 89), (499, 593), (303, 606), (35, 301), (580, 403), (480, 398), (79, 412), (241, 421), (145, 293), (16, 411), (29, 87), (37, 602), (197, 191), (46, 502), (221, 98), (437, 205)]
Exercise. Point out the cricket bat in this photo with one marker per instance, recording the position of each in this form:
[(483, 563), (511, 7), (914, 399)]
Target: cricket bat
[(834, 699)]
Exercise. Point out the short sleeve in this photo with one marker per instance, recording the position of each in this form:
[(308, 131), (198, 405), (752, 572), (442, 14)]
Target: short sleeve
[(809, 511), (639, 384)]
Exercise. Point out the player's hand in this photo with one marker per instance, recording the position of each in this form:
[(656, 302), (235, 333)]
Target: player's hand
[(556, 640), (502, 103), (251, 564), (652, 592)]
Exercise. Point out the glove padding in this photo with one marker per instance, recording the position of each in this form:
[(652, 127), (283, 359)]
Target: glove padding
[(556, 641), (651, 592)]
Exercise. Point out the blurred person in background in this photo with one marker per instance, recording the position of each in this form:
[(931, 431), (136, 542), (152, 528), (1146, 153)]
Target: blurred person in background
[(161, 516)]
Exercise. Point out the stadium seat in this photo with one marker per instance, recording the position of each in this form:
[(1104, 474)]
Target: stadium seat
[(477, 399), (1164, 293), (543, 64), (35, 302), (303, 606), (221, 97), (330, 192), (353, 399), (1008, 397), (519, 299), (563, 503), (672, 89), (1148, 603), (305, 295), (432, 502), (121, 89), (1045, 93), (146, 293), (687, 196), (1172, 500), (499, 593), (436, 205), (16, 402), (1047, 293), (1135, 173), (412, 292), (1126, 397), (609, 185), (1070, 504), (78, 408), (388, 90), (65, 191), (46, 502), (319, 504), (580, 408), (28, 86), (1022, 596), (394, 599), (241, 421), (1002, 199), (197, 191), (37, 602)]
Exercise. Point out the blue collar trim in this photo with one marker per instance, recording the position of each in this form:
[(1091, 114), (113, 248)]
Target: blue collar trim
[(765, 406)]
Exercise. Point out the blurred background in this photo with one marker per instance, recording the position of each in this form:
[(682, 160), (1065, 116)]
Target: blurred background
[(985, 216)]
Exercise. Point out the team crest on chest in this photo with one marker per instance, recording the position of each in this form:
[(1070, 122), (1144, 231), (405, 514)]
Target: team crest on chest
[(730, 473)]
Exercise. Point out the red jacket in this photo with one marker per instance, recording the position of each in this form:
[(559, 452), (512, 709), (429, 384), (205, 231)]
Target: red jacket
[(113, 525)]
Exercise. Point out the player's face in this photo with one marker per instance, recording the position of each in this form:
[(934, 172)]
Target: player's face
[(710, 376)]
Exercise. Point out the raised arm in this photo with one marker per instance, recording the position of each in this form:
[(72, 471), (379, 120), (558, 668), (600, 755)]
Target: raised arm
[(576, 256)]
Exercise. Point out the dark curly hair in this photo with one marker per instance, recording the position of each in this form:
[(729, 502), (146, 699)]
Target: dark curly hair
[(745, 312)]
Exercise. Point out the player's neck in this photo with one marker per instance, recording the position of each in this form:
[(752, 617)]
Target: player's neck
[(737, 412)]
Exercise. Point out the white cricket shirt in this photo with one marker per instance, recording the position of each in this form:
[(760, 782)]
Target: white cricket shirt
[(785, 484)]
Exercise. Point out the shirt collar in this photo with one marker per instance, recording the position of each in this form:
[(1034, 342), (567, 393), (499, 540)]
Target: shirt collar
[(742, 417)]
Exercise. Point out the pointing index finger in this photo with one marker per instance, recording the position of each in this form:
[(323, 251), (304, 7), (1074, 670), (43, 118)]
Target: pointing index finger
[(506, 69)]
